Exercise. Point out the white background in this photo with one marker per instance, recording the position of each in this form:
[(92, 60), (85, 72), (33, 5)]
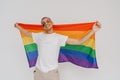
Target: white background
[(13, 63)]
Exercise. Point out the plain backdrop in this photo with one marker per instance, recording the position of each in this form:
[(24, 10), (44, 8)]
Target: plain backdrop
[(13, 62)]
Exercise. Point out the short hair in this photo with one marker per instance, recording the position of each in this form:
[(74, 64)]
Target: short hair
[(45, 17)]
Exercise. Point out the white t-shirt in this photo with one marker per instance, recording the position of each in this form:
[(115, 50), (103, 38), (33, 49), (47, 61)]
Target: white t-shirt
[(48, 48)]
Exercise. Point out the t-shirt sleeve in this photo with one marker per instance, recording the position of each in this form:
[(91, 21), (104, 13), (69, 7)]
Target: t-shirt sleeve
[(62, 40), (35, 37)]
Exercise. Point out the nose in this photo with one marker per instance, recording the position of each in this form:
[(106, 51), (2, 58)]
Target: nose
[(46, 23)]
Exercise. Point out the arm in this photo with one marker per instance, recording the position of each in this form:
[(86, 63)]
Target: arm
[(95, 28), (26, 32)]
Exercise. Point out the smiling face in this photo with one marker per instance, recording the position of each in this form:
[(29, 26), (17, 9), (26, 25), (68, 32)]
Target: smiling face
[(47, 23)]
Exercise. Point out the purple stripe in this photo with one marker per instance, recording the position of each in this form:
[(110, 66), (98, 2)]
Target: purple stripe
[(79, 62), (32, 62)]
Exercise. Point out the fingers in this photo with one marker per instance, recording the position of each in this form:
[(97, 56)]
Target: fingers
[(16, 25), (98, 24)]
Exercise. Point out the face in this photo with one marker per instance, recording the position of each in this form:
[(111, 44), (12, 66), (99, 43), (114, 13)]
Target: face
[(47, 23)]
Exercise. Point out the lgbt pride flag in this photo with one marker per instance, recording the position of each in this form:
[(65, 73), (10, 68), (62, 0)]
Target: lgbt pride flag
[(82, 55)]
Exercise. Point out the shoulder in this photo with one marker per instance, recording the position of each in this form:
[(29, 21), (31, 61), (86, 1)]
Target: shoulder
[(39, 33), (59, 34)]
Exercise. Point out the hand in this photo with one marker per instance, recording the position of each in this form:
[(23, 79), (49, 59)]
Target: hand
[(16, 25), (96, 26)]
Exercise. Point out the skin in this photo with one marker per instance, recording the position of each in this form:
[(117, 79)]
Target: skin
[(48, 28)]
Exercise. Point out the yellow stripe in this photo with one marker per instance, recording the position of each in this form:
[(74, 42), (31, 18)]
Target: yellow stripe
[(72, 34), (90, 43), (27, 40), (80, 34)]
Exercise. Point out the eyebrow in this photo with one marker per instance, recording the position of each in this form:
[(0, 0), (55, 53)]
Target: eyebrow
[(48, 20)]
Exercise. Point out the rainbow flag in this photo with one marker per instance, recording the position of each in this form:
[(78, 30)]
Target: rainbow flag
[(82, 55)]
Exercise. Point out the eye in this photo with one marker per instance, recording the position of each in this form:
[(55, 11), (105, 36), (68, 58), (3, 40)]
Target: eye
[(43, 23), (48, 21)]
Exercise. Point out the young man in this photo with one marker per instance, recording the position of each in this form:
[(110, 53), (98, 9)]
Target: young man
[(49, 44)]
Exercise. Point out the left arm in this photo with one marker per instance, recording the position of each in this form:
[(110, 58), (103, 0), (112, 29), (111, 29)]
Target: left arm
[(95, 28)]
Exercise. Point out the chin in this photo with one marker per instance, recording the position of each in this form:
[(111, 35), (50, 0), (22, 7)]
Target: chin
[(47, 29)]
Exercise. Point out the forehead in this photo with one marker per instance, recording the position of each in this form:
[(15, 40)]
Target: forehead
[(46, 19)]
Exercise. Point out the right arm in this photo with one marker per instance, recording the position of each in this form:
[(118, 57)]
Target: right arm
[(26, 32), (95, 28)]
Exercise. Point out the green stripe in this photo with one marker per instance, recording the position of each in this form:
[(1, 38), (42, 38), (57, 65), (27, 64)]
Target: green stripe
[(81, 48), (31, 47)]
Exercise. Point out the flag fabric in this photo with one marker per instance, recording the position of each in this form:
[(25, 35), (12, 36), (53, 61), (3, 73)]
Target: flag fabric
[(83, 55)]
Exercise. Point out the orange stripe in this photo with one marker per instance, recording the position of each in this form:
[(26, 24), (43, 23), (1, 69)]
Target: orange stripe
[(71, 34), (75, 34)]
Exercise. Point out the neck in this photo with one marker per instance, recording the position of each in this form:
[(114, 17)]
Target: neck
[(49, 31)]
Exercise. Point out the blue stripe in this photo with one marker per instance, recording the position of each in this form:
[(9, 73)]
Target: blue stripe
[(32, 55), (79, 55)]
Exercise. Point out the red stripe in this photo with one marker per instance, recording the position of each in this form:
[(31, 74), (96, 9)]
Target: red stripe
[(62, 27)]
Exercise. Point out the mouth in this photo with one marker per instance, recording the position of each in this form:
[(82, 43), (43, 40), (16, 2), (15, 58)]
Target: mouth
[(47, 25)]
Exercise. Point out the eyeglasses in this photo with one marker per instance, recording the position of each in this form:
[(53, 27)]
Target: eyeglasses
[(45, 22)]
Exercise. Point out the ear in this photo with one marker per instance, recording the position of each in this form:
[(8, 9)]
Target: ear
[(51, 22)]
